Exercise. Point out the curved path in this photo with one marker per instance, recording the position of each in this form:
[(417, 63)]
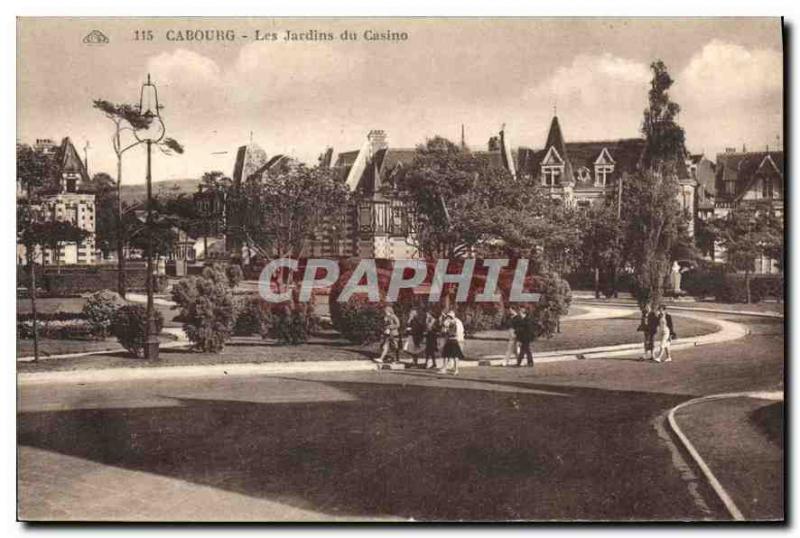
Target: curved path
[(563, 441)]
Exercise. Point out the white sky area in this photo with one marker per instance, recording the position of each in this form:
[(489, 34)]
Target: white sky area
[(299, 98)]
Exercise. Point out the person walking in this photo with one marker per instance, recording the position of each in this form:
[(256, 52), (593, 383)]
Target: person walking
[(391, 335), (454, 343), (666, 334), (513, 346), (432, 329), (525, 333), (648, 326)]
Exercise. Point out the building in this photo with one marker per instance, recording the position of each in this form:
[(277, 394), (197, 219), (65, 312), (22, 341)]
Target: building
[(747, 178), (377, 224), (704, 171), (581, 173), (67, 195)]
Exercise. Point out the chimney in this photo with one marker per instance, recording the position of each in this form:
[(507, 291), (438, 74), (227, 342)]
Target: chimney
[(730, 150), (377, 141), (494, 143), (744, 148)]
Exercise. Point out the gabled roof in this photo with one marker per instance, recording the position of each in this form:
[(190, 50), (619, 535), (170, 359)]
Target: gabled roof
[(743, 168), (65, 160), (626, 154), (383, 163)]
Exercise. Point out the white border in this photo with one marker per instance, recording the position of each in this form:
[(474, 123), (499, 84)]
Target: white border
[(321, 8)]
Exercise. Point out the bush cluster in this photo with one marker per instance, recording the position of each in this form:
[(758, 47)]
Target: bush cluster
[(129, 326), (207, 308), (361, 321), (100, 308), (67, 329)]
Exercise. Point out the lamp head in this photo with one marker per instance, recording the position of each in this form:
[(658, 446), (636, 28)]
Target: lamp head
[(149, 108)]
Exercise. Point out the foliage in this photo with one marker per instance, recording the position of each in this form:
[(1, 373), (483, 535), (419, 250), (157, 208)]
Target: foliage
[(293, 322), (460, 203), (747, 232), (100, 308), (651, 217), (235, 275), (665, 147), (280, 211), (61, 329), (253, 316), (358, 321), (130, 327), (207, 308), (554, 303)]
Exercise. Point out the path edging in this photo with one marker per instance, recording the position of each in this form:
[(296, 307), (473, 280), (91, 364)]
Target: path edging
[(723, 495)]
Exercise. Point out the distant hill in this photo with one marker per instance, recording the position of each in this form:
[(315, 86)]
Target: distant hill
[(170, 187)]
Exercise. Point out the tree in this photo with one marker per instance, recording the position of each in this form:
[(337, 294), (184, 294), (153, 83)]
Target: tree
[(106, 225), (283, 209), (665, 139), (649, 211), (649, 226), (32, 174), (127, 118), (600, 246), (461, 204), (747, 232)]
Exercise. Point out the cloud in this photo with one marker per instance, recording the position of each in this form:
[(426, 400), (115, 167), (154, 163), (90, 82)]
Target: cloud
[(723, 74), (599, 96), (595, 80)]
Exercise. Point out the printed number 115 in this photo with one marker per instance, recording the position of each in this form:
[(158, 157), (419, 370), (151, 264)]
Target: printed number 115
[(142, 35)]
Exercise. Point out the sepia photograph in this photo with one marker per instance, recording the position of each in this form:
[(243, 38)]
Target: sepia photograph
[(400, 270)]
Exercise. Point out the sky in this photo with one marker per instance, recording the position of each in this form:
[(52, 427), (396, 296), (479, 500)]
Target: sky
[(299, 97)]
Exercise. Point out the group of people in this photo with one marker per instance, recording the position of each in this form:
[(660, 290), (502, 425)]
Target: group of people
[(657, 325), (521, 333), (427, 332), (424, 330)]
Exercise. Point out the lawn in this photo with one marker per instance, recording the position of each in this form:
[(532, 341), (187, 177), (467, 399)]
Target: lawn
[(330, 347)]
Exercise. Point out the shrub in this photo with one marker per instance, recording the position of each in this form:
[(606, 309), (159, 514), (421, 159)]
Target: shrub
[(254, 316), (479, 317), (100, 308), (206, 308), (767, 286), (51, 316), (554, 302), (130, 326), (235, 275), (358, 321)]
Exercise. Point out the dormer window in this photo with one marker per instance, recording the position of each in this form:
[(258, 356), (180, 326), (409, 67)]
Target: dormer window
[(552, 168), (601, 173), (551, 175), (603, 167)]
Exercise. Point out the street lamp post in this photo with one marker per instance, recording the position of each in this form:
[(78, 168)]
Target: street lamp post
[(153, 133)]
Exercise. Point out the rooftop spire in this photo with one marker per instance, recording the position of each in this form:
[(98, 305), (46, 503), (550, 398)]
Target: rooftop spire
[(556, 139)]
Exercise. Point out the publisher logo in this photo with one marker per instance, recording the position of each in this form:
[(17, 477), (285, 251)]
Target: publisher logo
[(95, 37)]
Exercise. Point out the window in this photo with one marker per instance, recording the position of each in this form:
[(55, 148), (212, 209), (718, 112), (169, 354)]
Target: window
[(551, 175), (601, 173), (766, 187)]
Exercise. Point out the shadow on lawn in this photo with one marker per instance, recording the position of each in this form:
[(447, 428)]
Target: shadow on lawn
[(404, 450)]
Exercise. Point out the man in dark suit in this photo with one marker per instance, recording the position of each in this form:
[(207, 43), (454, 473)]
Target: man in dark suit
[(648, 326), (524, 331)]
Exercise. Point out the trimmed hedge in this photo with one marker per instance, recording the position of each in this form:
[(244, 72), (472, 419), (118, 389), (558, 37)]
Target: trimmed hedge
[(70, 329), (88, 279)]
